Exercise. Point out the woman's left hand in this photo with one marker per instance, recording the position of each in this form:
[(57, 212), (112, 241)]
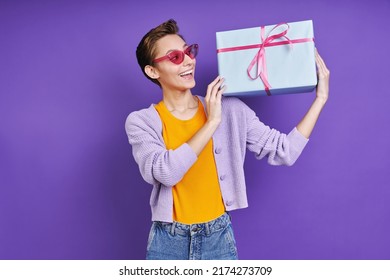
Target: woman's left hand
[(323, 78), (306, 125)]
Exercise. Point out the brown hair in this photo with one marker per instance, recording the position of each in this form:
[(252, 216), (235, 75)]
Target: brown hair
[(146, 49)]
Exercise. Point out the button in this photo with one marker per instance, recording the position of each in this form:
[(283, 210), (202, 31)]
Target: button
[(222, 177), (229, 202), (195, 229), (218, 150)]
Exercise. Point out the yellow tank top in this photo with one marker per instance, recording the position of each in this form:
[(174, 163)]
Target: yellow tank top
[(197, 197)]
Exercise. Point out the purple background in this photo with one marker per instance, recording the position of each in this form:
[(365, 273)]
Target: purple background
[(69, 186)]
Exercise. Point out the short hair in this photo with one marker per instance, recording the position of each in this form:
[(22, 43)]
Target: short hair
[(146, 50)]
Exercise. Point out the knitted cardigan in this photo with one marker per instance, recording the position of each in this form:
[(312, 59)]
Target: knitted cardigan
[(240, 129)]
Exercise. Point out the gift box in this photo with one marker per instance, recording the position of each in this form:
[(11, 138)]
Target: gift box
[(268, 60)]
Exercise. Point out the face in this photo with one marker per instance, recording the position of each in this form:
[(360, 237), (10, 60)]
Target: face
[(174, 77)]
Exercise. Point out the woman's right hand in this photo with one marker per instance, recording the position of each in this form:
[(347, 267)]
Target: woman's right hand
[(213, 101)]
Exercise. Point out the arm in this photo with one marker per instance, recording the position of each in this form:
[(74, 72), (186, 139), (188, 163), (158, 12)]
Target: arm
[(214, 111), (306, 125), (285, 149), (263, 141), (155, 162)]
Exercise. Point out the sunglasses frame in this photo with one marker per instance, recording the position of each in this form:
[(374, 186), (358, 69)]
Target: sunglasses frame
[(191, 51)]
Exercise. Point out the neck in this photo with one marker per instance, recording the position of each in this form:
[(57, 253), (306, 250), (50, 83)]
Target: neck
[(179, 101)]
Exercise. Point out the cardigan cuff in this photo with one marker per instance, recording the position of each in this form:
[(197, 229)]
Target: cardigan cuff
[(188, 155), (297, 140)]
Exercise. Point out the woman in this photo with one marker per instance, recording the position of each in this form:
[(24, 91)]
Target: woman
[(192, 150)]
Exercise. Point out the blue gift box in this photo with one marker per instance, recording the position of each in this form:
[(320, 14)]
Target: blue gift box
[(268, 60)]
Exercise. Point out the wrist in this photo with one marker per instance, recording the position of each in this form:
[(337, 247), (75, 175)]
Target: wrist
[(321, 99), (213, 123)]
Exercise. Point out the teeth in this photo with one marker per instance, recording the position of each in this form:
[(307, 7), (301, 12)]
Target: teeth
[(186, 73)]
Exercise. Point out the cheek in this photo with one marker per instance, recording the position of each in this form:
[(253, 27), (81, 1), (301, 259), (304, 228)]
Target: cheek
[(169, 73)]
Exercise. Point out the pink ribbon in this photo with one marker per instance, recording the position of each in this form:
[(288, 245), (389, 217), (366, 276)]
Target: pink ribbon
[(259, 58)]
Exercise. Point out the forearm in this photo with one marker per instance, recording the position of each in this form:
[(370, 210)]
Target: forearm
[(202, 137), (306, 125)]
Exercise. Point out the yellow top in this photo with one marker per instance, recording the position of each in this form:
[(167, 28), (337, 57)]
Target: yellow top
[(197, 197)]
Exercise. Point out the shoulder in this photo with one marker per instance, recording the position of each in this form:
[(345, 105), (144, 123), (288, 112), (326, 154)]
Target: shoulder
[(147, 117), (236, 108), (233, 102)]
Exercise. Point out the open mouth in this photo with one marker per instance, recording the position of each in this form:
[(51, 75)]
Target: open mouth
[(186, 74)]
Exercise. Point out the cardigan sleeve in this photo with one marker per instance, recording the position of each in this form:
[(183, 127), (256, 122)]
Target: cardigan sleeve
[(279, 148), (155, 162)]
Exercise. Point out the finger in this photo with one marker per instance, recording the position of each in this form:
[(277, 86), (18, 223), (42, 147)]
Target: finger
[(222, 89), (319, 65), (320, 62), (211, 86), (216, 80), (216, 88), (219, 93), (323, 70), (216, 91)]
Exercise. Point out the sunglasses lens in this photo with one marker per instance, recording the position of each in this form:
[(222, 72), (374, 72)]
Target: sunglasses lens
[(192, 51), (176, 57)]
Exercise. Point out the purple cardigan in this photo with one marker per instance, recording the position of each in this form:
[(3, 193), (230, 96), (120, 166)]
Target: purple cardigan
[(240, 129)]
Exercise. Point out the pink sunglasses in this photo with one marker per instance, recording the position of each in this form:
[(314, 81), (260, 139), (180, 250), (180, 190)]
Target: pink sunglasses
[(177, 56)]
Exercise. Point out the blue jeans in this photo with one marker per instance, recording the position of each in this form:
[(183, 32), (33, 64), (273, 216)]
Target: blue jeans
[(207, 241)]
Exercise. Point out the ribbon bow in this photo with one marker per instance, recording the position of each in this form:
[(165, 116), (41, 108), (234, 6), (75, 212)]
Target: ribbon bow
[(259, 58)]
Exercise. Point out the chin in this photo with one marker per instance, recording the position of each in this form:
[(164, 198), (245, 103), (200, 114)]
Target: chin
[(193, 85), (188, 85)]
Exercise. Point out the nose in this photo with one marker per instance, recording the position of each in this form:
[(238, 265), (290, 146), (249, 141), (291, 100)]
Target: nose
[(188, 60)]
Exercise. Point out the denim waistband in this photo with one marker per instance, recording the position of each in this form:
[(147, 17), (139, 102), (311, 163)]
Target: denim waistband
[(202, 228)]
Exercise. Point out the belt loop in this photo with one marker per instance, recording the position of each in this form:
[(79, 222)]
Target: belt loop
[(173, 225), (207, 227), (230, 216)]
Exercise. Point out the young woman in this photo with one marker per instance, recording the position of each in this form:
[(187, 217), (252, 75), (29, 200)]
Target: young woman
[(192, 150)]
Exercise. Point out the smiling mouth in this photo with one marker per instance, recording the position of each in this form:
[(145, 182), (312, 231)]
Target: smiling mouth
[(186, 74)]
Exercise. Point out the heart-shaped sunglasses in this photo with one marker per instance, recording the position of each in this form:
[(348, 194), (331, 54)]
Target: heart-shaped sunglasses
[(177, 56)]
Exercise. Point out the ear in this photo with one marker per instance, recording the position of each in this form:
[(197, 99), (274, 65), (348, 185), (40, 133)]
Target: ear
[(152, 72)]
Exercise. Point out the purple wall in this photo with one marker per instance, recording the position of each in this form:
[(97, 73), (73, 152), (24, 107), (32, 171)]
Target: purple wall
[(69, 187)]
